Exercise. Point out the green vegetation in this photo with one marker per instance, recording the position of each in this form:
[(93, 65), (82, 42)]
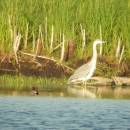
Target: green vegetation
[(67, 16), (21, 83), (41, 24)]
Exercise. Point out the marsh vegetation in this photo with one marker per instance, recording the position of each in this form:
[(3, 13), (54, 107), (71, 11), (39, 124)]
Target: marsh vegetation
[(23, 83), (65, 30)]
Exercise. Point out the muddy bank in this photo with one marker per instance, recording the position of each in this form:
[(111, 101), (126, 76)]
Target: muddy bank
[(28, 66), (31, 65)]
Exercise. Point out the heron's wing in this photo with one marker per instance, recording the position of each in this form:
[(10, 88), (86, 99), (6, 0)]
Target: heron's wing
[(81, 72)]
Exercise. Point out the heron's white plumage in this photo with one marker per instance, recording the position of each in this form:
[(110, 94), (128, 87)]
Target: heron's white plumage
[(86, 71)]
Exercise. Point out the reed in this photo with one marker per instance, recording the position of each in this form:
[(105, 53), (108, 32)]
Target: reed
[(108, 19)]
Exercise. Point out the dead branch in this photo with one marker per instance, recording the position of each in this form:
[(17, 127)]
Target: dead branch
[(58, 46), (8, 70), (32, 55), (43, 57)]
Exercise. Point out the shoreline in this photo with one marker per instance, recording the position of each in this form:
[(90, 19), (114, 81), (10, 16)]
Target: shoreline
[(89, 93), (25, 83)]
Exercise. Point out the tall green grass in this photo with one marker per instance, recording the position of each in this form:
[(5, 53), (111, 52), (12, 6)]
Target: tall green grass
[(66, 16), (21, 83)]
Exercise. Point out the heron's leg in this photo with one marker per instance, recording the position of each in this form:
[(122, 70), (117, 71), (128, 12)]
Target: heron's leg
[(84, 83)]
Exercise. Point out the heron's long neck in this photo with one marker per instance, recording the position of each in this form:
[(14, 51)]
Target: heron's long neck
[(94, 53)]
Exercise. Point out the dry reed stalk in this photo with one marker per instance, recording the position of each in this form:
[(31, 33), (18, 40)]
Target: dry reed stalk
[(16, 46), (59, 45), (60, 37), (118, 48), (56, 47), (26, 37), (34, 42), (121, 56), (100, 30), (11, 30), (81, 27), (14, 33), (52, 39), (83, 37), (41, 35), (84, 40), (46, 35), (37, 48), (39, 42), (62, 49)]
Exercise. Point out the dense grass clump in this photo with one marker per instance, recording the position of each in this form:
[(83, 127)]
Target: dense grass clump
[(108, 19), (23, 83)]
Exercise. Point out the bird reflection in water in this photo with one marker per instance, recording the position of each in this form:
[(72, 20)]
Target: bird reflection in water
[(84, 91)]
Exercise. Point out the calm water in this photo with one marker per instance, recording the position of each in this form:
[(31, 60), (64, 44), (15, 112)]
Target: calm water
[(62, 113)]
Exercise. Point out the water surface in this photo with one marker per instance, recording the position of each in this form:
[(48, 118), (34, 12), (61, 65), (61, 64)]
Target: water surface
[(99, 92), (60, 113)]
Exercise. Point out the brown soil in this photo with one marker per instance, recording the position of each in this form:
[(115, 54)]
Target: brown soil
[(29, 67), (49, 68)]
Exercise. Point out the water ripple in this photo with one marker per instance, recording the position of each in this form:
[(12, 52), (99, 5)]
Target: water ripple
[(45, 113)]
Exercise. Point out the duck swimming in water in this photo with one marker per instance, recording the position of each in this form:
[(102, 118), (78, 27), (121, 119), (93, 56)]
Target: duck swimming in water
[(35, 90)]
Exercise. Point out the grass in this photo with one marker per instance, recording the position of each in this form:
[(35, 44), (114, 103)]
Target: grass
[(66, 16), (34, 19), (21, 83)]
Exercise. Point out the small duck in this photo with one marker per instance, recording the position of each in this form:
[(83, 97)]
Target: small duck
[(35, 90)]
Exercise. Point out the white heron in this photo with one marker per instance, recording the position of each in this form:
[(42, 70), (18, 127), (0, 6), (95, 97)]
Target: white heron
[(86, 71)]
